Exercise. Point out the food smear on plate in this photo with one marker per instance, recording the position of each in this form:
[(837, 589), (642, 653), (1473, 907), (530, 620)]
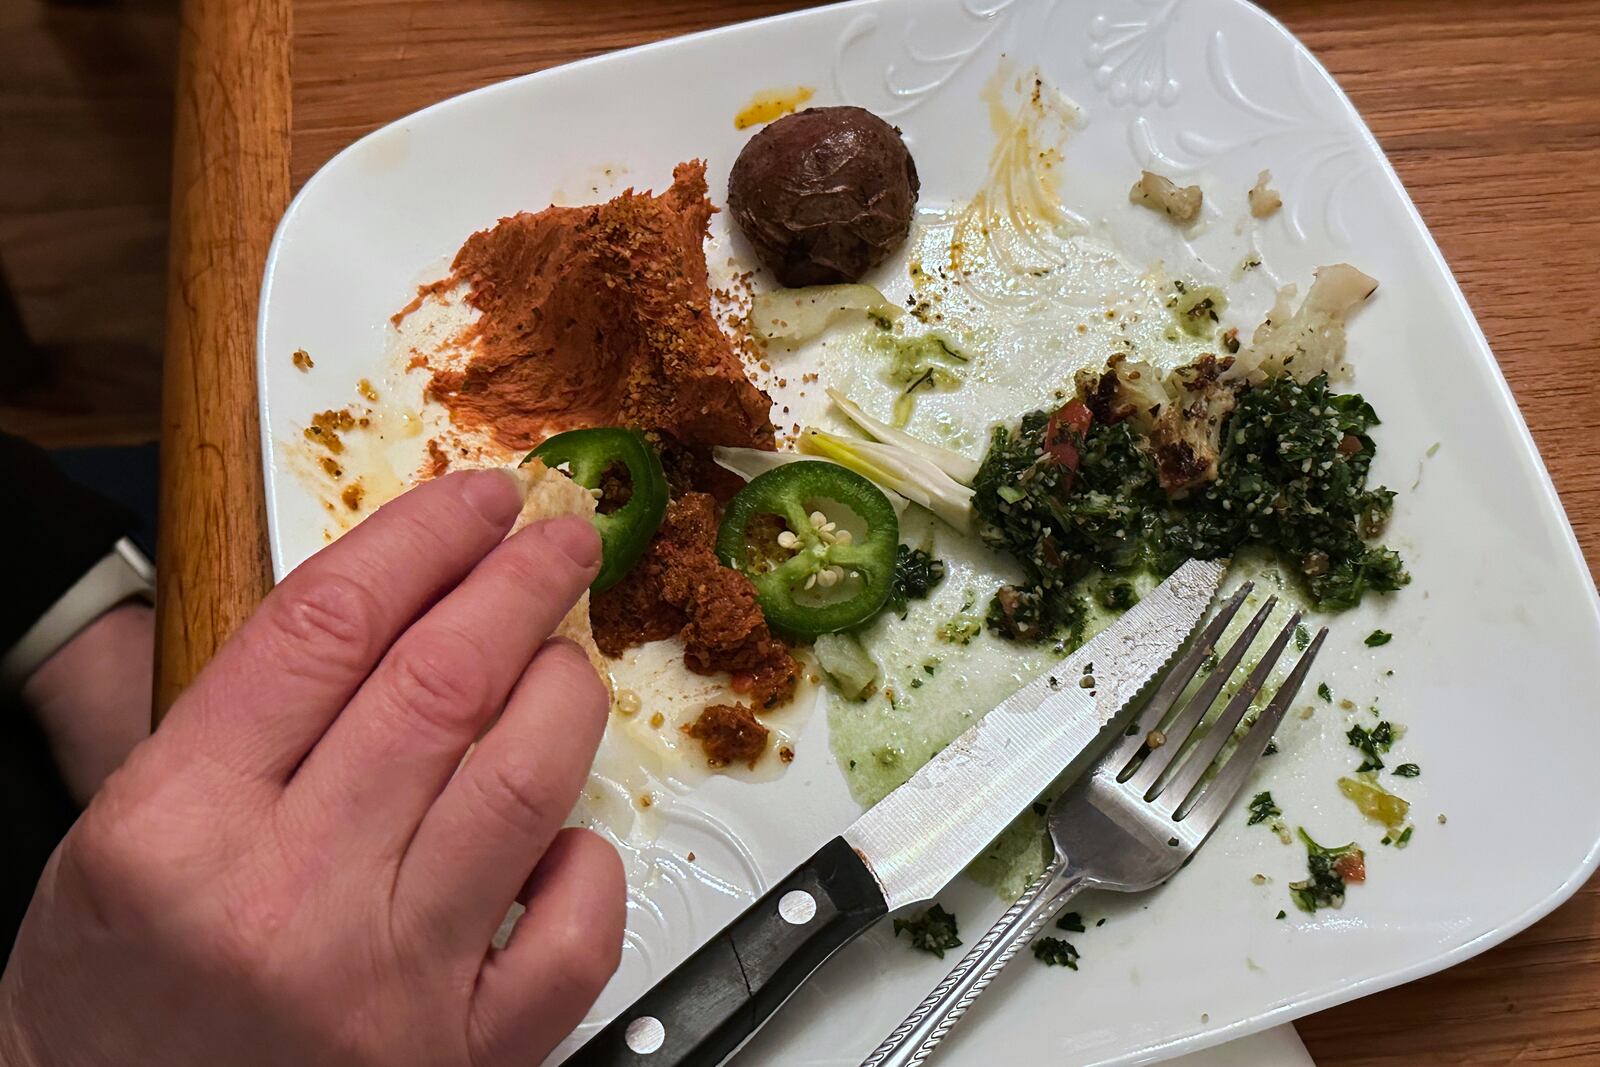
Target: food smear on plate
[(770, 104), (1009, 242), (342, 458)]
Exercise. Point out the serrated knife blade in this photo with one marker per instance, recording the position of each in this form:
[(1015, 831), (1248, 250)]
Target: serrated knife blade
[(908, 846), (919, 837)]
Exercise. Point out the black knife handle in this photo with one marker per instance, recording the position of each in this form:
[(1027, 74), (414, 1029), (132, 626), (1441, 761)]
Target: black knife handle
[(718, 997)]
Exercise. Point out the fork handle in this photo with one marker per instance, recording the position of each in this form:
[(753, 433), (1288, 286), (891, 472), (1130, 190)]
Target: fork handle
[(914, 1040)]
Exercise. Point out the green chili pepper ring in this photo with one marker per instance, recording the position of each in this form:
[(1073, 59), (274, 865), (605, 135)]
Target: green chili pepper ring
[(791, 492), (626, 532)]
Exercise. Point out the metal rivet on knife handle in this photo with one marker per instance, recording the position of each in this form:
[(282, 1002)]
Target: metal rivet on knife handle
[(646, 1035), (797, 907)]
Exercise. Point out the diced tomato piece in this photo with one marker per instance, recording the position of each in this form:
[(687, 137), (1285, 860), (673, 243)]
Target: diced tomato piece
[(1076, 416), (1064, 433), (1352, 866), (1065, 454)]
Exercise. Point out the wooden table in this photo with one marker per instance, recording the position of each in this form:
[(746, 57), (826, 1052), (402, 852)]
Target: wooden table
[(1490, 112)]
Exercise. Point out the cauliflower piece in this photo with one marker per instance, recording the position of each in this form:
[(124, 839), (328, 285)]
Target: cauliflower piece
[(1180, 416), (1179, 203), (1186, 438), (1263, 200), (1125, 389), (1307, 341)]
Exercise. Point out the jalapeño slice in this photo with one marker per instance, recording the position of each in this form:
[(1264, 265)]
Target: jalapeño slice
[(624, 466), (817, 541)]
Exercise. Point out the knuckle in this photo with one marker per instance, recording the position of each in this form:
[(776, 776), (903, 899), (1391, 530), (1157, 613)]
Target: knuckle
[(332, 619), (121, 854), (438, 681), (103, 855), (594, 938), (576, 676), (433, 530), (544, 567), (510, 791), (524, 566), (589, 954)]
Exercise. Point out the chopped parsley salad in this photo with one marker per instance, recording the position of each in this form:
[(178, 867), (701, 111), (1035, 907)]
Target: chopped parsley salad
[(1074, 498)]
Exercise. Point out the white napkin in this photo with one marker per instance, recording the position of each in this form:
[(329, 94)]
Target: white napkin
[(1278, 1047)]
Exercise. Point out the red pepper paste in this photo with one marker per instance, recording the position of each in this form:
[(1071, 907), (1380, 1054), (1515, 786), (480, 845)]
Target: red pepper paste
[(678, 587), (729, 733), (601, 316)]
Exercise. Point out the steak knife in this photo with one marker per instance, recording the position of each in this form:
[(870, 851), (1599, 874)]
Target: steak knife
[(908, 846)]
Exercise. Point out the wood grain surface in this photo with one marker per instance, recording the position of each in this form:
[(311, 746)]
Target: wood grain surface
[(230, 182), (1491, 114), (85, 189)]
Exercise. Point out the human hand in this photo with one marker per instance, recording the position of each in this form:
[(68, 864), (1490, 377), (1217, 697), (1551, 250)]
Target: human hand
[(291, 870)]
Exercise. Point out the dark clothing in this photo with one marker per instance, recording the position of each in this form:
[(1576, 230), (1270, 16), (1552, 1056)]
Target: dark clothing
[(54, 531), (36, 810)]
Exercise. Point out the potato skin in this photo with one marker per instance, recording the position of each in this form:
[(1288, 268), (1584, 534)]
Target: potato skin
[(824, 195)]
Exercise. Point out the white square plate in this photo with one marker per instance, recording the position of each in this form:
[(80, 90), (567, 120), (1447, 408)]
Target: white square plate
[(1496, 657)]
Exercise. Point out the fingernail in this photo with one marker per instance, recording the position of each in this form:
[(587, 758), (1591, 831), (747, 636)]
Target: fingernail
[(576, 538), (496, 494)]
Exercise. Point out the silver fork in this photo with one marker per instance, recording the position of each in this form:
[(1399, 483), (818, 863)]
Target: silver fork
[(1134, 818)]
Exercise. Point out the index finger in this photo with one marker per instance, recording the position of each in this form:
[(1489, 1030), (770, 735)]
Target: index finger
[(278, 683)]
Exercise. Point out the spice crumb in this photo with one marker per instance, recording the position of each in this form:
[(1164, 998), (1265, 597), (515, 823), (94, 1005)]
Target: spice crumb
[(302, 360), (327, 425)]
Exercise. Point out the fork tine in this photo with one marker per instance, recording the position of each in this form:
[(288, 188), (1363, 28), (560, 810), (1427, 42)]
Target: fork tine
[(1208, 808), (1195, 763), (1158, 758), (1176, 680)]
